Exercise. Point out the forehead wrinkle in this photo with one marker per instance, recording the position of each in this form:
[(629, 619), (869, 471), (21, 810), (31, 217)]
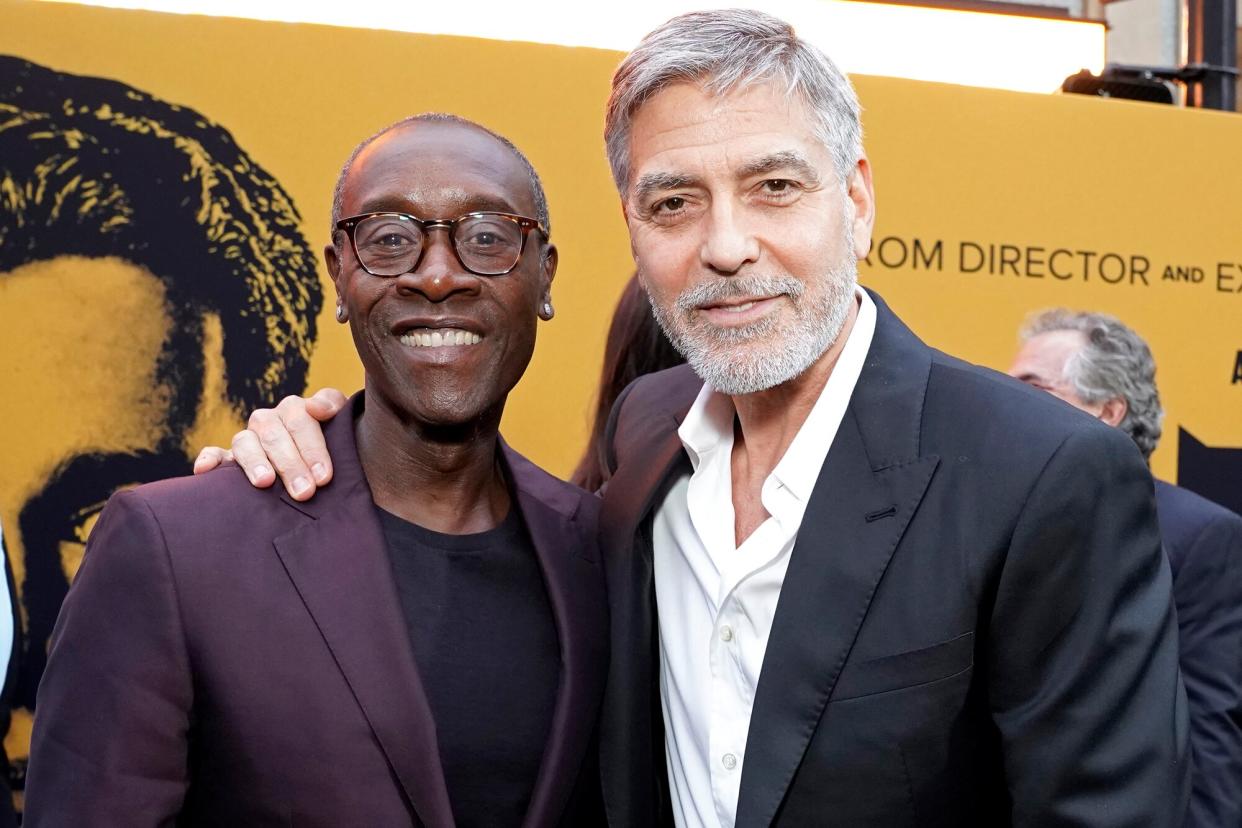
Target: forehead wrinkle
[(452, 199)]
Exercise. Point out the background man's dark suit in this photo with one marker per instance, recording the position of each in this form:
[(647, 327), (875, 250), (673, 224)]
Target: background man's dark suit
[(242, 659), (1204, 545), (975, 627)]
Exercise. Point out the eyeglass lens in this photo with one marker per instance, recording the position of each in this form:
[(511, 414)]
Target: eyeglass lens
[(390, 245)]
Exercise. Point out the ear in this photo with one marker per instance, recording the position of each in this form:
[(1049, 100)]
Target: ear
[(547, 272), (1114, 411), (861, 194), (333, 262)]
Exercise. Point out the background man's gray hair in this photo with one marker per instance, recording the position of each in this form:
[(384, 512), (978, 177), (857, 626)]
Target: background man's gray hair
[(536, 186), (726, 50), (1115, 362)]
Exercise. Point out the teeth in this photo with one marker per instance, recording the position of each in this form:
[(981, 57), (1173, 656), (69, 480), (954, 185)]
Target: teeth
[(738, 308), (439, 337)]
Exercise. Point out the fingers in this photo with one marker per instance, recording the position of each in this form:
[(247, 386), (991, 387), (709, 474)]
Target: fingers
[(249, 454), (301, 418), (211, 457), (286, 442), (324, 404)]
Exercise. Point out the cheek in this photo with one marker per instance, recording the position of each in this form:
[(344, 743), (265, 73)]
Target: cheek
[(666, 263), (363, 300), (1067, 394), (811, 249)]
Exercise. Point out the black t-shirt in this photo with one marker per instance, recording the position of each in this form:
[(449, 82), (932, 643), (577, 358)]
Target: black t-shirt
[(485, 642)]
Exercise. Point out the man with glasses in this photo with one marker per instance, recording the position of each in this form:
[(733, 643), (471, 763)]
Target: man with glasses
[(423, 644)]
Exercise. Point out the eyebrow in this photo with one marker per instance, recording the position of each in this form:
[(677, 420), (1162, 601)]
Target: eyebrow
[(660, 181), (783, 160)]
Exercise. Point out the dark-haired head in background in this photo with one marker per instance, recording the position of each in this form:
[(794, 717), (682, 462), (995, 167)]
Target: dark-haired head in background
[(150, 271), (636, 346)]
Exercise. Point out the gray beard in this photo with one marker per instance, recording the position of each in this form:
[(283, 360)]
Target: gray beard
[(764, 354)]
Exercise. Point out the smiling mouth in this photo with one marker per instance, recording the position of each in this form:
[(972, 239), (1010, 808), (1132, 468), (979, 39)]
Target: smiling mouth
[(736, 306), (439, 337), (741, 307)]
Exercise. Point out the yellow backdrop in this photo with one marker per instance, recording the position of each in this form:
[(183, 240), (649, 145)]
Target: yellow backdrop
[(953, 165), (991, 205)]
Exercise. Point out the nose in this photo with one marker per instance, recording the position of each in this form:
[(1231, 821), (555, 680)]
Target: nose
[(729, 244), (439, 274)]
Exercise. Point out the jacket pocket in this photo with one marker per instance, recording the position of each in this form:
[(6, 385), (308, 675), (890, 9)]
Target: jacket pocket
[(908, 669)]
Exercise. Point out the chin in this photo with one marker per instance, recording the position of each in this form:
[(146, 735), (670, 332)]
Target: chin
[(448, 411)]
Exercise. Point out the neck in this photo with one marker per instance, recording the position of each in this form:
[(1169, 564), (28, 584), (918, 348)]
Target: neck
[(769, 420), (447, 478)]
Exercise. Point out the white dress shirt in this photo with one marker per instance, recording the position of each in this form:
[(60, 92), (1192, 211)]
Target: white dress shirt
[(715, 599)]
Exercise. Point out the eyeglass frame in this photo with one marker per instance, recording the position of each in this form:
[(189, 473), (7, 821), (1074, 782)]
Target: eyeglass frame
[(526, 223)]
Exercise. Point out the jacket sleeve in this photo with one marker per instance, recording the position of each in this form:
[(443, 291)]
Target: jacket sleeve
[(110, 738), (1083, 676), (1208, 591)]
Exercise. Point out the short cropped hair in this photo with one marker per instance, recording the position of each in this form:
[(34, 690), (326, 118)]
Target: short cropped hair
[(726, 50), (93, 167), (1114, 362), (536, 186)]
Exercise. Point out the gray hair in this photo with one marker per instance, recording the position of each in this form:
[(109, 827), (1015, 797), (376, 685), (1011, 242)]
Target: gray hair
[(536, 186), (1115, 362), (725, 50)]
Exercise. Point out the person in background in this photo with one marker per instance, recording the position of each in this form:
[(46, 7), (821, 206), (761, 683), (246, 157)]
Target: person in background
[(1099, 365), (636, 346)]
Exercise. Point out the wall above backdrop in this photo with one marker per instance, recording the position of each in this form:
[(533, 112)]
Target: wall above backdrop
[(1031, 49)]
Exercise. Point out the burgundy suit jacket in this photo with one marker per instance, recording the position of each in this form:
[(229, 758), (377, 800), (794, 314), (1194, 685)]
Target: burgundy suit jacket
[(229, 656)]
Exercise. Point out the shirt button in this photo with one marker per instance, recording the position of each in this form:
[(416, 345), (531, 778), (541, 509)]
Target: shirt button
[(729, 761), (726, 633)]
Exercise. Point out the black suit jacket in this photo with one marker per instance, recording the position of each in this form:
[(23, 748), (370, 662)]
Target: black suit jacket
[(229, 656), (1204, 545), (975, 627)]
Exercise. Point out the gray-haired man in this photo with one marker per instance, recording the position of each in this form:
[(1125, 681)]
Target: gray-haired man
[(1097, 364), (893, 589)]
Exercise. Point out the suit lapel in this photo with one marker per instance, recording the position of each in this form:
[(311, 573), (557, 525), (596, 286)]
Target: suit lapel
[(571, 571), (848, 535), (339, 565), (868, 491)]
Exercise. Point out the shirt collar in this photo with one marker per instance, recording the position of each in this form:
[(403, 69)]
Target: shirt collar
[(708, 425)]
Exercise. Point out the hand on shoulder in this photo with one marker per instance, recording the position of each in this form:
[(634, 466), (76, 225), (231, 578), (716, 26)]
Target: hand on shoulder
[(288, 439)]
